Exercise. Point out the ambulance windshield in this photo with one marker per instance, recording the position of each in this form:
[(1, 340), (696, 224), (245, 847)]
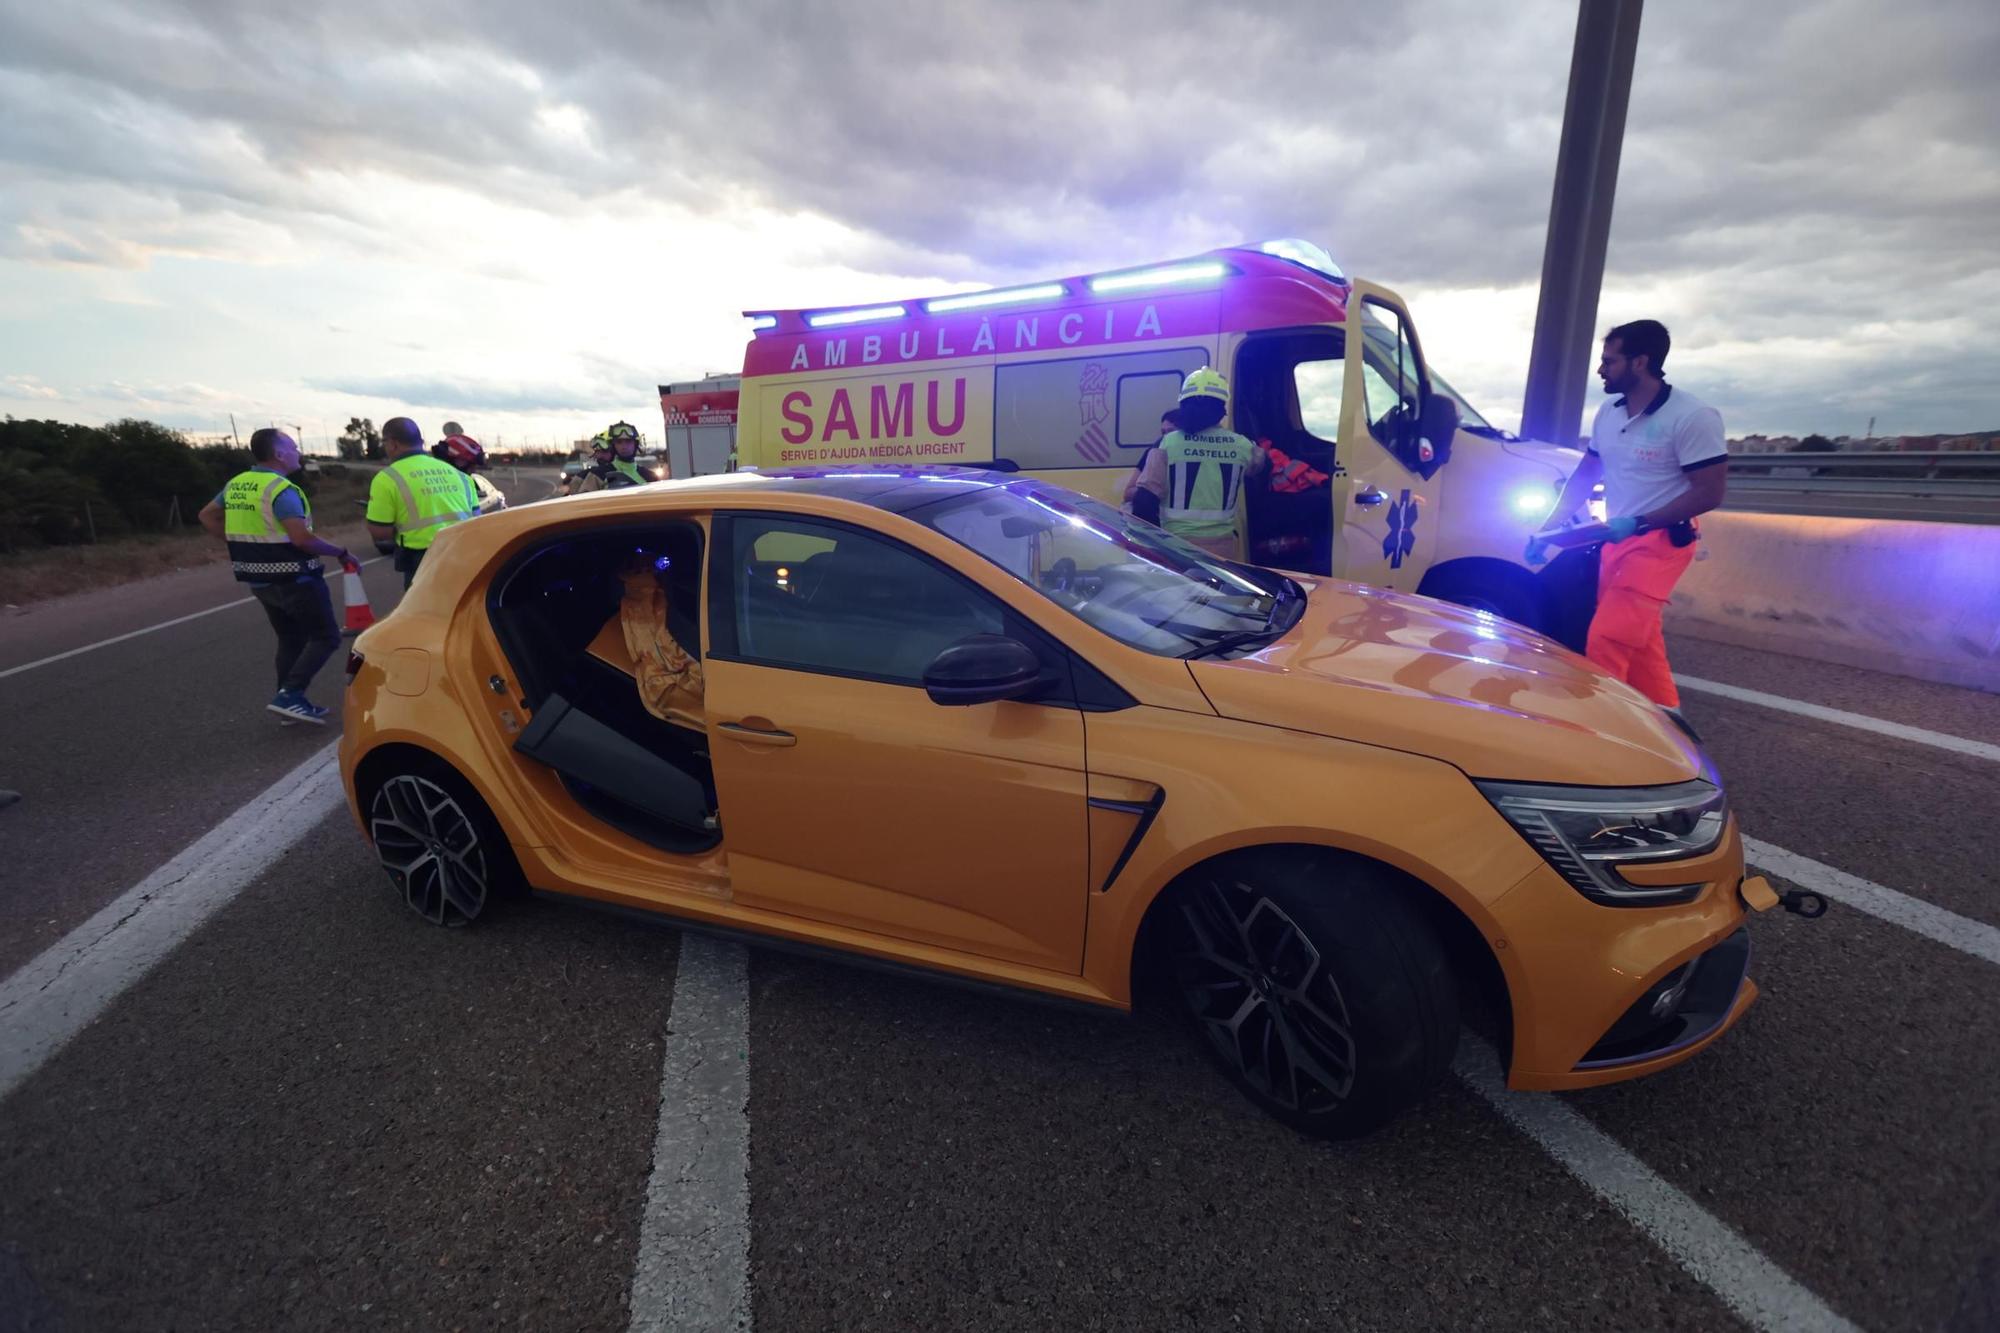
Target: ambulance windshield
[(1122, 576)]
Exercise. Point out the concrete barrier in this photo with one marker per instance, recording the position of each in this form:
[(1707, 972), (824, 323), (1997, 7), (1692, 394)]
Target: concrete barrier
[(1917, 599)]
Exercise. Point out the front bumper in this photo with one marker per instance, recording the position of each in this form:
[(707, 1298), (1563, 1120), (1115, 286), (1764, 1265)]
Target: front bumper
[(1602, 994)]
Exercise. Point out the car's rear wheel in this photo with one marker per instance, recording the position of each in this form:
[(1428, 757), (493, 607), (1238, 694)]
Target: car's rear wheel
[(439, 843), (1318, 987)]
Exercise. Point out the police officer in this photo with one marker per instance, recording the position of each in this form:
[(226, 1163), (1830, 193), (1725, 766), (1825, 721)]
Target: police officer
[(414, 498), (267, 522), (1198, 470)]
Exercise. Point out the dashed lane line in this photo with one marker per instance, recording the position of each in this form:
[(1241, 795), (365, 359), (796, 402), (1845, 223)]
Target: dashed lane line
[(1926, 919), (177, 620), (63, 990), (1841, 717), (693, 1268), (136, 633), (1712, 1252)]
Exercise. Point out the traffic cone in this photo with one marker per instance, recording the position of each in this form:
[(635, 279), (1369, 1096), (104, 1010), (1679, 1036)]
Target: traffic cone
[(359, 614)]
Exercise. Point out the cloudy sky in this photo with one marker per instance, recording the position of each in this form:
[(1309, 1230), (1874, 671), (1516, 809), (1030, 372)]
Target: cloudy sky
[(527, 215)]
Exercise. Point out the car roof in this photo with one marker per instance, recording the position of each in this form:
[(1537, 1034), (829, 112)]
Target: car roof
[(894, 489)]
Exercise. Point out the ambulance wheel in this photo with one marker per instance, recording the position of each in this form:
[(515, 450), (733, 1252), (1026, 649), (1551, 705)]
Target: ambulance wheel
[(1316, 985), (1500, 589), (439, 843)]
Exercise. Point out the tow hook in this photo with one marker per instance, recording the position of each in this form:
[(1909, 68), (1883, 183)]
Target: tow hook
[(1803, 902)]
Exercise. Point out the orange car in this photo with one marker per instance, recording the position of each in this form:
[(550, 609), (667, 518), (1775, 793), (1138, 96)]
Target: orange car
[(989, 728)]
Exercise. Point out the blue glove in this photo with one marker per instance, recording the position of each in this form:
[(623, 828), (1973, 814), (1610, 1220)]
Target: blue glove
[(1537, 552), (1622, 527)]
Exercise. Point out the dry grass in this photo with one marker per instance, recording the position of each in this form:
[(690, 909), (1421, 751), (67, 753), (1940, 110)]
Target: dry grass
[(57, 571)]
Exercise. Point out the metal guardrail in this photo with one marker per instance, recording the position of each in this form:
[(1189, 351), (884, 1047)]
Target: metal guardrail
[(1937, 487)]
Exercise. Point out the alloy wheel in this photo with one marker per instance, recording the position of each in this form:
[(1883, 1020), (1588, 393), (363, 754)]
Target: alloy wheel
[(1267, 1003), (431, 848)]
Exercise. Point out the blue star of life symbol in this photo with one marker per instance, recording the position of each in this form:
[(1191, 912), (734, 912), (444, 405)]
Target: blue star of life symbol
[(1402, 539)]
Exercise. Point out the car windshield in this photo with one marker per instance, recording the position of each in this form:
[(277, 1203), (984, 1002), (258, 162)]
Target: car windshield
[(1125, 577), (1468, 415), (1382, 341)]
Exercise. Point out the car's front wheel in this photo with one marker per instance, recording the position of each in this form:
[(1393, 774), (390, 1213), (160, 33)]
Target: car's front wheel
[(1318, 987), (439, 843)]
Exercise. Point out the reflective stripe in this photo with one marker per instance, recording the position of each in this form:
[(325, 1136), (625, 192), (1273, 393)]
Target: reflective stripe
[(1205, 474), (252, 528), (272, 567), (417, 528)]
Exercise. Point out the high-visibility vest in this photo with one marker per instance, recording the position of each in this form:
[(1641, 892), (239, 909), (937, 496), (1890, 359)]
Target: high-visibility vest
[(625, 473), (1204, 478), (260, 551), (431, 495)]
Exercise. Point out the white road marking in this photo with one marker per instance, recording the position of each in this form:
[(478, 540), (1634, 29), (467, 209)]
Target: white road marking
[(133, 634), (1922, 736), (693, 1268), (1933, 922), (1760, 1292), (65, 988)]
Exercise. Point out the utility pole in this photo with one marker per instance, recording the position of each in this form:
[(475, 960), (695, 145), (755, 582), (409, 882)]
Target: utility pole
[(1600, 85)]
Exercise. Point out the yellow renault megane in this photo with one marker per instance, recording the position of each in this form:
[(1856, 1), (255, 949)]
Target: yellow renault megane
[(988, 728)]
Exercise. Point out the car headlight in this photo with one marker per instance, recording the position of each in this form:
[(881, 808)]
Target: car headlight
[(1587, 833)]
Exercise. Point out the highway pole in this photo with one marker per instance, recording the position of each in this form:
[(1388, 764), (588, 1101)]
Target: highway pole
[(1600, 85)]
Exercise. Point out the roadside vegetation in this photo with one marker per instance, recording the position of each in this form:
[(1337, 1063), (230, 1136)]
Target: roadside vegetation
[(88, 507)]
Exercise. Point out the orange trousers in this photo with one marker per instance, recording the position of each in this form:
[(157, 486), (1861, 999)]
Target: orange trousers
[(1635, 578)]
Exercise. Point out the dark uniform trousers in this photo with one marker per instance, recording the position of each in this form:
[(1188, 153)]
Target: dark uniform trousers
[(302, 615)]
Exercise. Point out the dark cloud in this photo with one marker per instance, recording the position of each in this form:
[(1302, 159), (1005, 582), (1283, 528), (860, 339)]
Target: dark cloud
[(1787, 169)]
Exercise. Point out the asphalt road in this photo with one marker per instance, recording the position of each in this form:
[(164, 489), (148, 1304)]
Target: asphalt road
[(319, 1112)]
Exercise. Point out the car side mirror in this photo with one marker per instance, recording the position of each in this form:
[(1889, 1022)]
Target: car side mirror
[(983, 669), (1435, 428)]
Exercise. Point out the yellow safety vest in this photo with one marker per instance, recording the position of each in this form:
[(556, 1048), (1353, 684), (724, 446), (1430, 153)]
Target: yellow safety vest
[(428, 496), (1205, 474), (260, 550)]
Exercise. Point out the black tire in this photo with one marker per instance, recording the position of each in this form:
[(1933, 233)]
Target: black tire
[(1316, 985), (1511, 597), (440, 845)]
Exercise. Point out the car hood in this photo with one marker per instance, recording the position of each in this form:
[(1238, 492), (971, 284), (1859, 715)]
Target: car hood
[(1410, 673)]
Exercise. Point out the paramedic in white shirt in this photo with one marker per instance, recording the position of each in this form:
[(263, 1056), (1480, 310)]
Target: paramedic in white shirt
[(1660, 453)]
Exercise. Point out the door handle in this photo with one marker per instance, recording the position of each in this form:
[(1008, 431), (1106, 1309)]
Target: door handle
[(1370, 497), (736, 731)]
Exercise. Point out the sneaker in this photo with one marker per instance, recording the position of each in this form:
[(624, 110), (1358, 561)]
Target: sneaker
[(292, 706)]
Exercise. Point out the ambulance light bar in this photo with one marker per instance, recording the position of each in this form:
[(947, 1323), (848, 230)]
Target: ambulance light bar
[(758, 323), (1166, 275), (828, 318), (1047, 291), (1305, 254)]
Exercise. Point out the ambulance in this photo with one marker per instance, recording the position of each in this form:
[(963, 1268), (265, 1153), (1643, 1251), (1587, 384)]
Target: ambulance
[(1066, 380)]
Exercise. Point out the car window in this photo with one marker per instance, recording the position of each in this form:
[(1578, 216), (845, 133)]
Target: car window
[(1318, 384), (1390, 377), (819, 597), (1131, 580)]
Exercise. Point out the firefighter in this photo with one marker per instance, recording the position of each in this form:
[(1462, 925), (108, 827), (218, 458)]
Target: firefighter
[(615, 463), (1198, 471), (465, 453), (1660, 452)]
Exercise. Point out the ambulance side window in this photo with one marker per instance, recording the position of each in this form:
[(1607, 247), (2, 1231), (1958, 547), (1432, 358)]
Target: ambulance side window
[(1086, 411), (1318, 384)]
